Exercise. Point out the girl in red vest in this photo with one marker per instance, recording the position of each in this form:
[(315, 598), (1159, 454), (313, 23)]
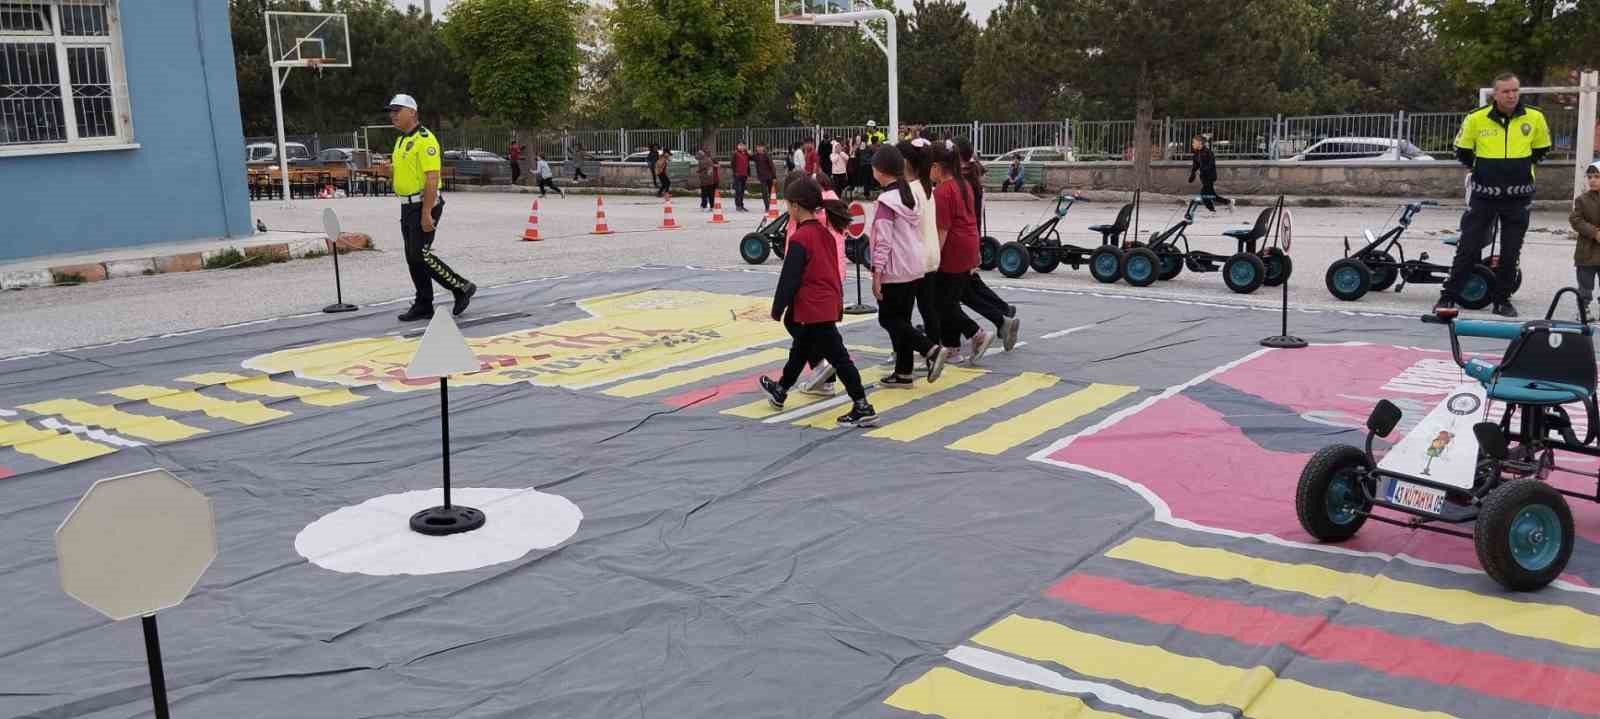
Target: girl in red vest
[(956, 216), (810, 299)]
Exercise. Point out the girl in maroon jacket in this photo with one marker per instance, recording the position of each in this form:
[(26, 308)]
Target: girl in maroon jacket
[(810, 298)]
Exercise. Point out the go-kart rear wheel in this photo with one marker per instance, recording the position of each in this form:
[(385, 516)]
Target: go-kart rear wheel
[(1243, 273), (754, 248), (1476, 292), (1014, 260), (1348, 279), (1105, 264), (1279, 267), (1044, 259), (1524, 534), (1493, 263), (1384, 271), (988, 252), (1171, 264), (1328, 500), (1140, 267)]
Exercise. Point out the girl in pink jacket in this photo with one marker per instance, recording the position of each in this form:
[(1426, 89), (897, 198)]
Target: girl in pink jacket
[(898, 268)]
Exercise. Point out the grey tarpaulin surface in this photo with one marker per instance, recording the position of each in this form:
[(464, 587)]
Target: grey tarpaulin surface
[(731, 566)]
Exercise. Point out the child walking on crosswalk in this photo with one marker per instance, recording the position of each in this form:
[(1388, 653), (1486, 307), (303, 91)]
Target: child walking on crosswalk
[(810, 296), (897, 269)]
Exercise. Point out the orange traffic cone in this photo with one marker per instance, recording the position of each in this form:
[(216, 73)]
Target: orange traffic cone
[(600, 227), (532, 233), (716, 210), (667, 222), (772, 205)]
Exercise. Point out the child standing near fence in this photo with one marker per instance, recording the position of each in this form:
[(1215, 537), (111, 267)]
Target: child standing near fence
[(1586, 220)]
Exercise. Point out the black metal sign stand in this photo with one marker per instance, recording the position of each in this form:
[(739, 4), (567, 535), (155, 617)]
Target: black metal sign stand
[(448, 518)]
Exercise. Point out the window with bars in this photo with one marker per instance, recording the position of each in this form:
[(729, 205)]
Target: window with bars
[(61, 77)]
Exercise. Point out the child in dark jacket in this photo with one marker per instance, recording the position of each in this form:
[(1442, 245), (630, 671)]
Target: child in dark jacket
[(1205, 165), (810, 299), (1585, 220)]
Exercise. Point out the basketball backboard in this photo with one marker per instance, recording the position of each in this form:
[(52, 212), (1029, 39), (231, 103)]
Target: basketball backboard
[(808, 12), (295, 38)]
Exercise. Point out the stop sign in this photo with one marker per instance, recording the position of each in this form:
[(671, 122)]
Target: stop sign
[(858, 220), (136, 544)]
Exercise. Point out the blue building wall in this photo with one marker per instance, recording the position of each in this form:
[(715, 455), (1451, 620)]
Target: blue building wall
[(186, 181)]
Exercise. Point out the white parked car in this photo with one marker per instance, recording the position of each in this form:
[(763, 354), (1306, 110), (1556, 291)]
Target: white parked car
[(1361, 149), (266, 153), (1043, 153)]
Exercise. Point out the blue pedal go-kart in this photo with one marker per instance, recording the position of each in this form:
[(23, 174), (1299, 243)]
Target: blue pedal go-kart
[(1455, 469), (1042, 249), (767, 240), (1380, 263)]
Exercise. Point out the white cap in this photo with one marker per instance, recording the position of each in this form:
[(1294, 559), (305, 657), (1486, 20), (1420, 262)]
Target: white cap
[(401, 101), (872, 123), (1593, 167)]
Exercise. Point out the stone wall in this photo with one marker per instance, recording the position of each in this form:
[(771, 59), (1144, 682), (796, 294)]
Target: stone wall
[(1440, 179)]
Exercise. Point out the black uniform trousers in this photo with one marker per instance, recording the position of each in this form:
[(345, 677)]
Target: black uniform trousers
[(953, 323), (822, 338), (1482, 214), (894, 316), (426, 268)]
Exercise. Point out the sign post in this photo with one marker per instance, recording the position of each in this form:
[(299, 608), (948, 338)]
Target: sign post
[(441, 353), (330, 225)]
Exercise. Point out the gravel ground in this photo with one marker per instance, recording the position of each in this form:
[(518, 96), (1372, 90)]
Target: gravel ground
[(480, 232)]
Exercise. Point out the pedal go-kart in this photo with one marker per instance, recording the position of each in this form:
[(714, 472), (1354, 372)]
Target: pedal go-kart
[(1041, 247), (1245, 271), (767, 240), (1381, 262), (1454, 468)]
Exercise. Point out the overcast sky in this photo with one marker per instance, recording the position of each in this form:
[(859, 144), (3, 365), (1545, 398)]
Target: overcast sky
[(978, 8)]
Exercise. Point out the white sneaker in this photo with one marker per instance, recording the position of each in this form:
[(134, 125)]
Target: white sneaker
[(953, 356), (824, 389), (823, 374), (1012, 326), (980, 344)]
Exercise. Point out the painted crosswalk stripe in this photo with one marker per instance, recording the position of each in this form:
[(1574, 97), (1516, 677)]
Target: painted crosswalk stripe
[(884, 400), (155, 429), (1257, 691), (1550, 622), (945, 692), (248, 412), (965, 407), (1018, 670), (670, 380), (48, 445), (1006, 434), (798, 404), (265, 386)]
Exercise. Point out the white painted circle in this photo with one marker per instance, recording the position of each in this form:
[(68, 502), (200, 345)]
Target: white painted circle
[(375, 537)]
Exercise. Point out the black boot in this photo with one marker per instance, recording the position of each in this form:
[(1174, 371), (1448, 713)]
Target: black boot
[(1504, 308), (417, 313), (463, 298)]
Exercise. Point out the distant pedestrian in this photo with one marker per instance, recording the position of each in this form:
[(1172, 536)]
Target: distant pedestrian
[(578, 156), (663, 182), (741, 175), (1585, 221), (766, 174), (1205, 165), (545, 176), (797, 157), (839, 166), (514, 155), (706, 173), (1013, 176)]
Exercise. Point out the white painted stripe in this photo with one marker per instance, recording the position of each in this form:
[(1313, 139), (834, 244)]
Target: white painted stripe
[(1012, 668), (1065, 332), (807, 410), (7, 413), (99, 434)]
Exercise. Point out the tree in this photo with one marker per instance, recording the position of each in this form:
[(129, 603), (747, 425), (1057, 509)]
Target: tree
[(1019, 70), (520, 56), (698, 63), (933, 37), (1527, 37)]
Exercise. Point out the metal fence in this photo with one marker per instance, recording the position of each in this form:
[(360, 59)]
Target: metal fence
[(997, 138)]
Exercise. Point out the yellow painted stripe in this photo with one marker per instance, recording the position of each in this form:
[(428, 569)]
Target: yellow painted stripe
[(1551, 622), (964, 408), (156, 429), (884, 400), (265, 386), (948, 693), (249, 412), (1006, 434), (759, 409), (1256, 690), (640, 388), (48, 445)]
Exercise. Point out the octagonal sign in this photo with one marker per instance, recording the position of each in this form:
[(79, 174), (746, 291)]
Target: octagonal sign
[(136, 544)]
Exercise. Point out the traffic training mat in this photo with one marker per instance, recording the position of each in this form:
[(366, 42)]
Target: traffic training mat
[(1100, 523)]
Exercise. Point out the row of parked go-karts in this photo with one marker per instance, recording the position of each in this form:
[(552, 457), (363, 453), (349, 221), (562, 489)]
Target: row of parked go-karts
[(1378, 264)]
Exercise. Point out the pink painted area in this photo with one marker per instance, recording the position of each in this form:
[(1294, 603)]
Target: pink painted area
[(6, 472), (733, 388), (1320, 377)]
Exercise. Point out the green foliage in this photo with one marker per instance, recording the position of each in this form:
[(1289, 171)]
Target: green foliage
[(698, 63), (934, 38), (521, 55), (1527, 37)]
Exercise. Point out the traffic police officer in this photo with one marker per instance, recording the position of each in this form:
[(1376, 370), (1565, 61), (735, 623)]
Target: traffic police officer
[(416, 161), (1501, 143)]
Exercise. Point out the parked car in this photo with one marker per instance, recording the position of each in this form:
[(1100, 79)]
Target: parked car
[(478, 166), (1361, 149), (996, 170), (266, 153), (349, 157)]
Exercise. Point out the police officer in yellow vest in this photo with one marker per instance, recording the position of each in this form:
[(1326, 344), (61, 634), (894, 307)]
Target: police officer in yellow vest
[(1501, 143), (416, 162)]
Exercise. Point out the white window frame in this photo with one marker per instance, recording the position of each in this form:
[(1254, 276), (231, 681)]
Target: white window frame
[(121, 107)]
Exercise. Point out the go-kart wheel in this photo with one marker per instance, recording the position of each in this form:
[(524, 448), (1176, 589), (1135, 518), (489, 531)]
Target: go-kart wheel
[(1014, 260), (1044, 259), (1171, 265), (988, 252), (1105, 264), (1348, 279), (754, 248), (1140, 267), (1524, 534), (1384, 271), (1493, 263), (1243, 273), (1328, 500), (1279, 267), (1475, 293)]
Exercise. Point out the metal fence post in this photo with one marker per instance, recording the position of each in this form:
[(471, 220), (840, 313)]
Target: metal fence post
[(1399, 131), (1275, 137)]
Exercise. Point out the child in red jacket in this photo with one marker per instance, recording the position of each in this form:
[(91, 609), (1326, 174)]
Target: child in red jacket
[(810, 299)]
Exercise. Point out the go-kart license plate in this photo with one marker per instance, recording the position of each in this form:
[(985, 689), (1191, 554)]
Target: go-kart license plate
[(1422, 499)]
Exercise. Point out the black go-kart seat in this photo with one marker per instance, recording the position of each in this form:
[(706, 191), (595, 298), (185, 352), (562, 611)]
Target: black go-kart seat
[(1113, 232), (1254, 233)]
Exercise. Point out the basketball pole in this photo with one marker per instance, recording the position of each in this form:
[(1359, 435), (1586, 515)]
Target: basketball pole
[(283, 151), (892, 51)]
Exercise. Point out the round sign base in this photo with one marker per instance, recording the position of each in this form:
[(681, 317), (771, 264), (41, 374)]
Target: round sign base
[(340, 307), (1285, 342), (860, 309), (440, 521)]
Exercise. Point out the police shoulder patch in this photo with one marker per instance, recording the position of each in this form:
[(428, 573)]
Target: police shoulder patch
[(432, 150), (423, 132)]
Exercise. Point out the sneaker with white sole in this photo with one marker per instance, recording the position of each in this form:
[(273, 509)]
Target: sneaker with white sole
[(980, 344), (895, 381), (861, 415), (823, 374), (936, 359), (953, 356), (823, 389), (776, 394), (1009, 333)]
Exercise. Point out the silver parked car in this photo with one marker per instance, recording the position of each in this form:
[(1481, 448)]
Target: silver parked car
[(1348, 150)]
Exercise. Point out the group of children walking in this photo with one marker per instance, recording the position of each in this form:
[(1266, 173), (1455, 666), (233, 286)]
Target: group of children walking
[(923, 254)]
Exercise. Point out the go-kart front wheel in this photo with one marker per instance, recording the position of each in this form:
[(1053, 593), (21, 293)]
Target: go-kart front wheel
[(1014, 260), (1348, 279), (1044, 259), (754, 248), (1279, 267), (1524, 534), (1329, 501), (988, 252), (1140, 267), (1478, 290), (1105, 265), (1243, 273), (1171, 265)]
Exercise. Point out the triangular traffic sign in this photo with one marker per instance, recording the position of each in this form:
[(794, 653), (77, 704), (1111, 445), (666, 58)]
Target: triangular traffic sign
[(442, 351)]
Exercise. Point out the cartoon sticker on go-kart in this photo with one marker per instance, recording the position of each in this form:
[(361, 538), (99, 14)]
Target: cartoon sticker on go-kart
[(1436, 448)]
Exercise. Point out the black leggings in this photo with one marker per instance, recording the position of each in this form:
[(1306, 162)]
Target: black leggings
[(953, 323), (822, 338), (705, 196), (984, 301), (928, 304), (1208, 193), (895, 317)]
